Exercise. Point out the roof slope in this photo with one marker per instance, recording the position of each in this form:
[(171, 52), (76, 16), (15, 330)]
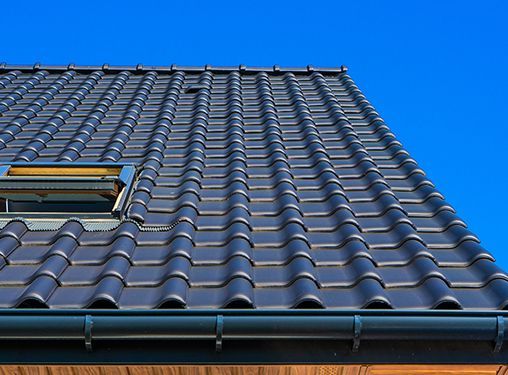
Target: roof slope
[(260, 188)]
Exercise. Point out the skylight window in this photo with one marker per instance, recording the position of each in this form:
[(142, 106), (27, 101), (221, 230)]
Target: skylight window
[(65, 190)]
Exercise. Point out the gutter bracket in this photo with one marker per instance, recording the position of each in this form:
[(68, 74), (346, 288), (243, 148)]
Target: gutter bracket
[(219, 328), (500, 334), (357, 331), (88, 332)]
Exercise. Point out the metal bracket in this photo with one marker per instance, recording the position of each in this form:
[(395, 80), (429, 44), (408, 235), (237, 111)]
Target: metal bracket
[(219, 328), (88, 332), (500, 334), (357, 331)]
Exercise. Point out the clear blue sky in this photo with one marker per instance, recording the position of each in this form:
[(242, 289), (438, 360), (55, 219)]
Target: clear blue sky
[(436, 71)]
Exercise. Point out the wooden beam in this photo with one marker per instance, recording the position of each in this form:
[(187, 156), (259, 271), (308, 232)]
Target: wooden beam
[(63, 171)]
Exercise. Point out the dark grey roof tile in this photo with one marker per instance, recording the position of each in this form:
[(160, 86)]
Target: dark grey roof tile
[(429, 208), (384, 223), (7, 245), (475, 275), (463, 255), (10, 296), (238, 293), (171, 294), (368, 293), (38, 238), (453, 236), (15, 229), (433, 293), (27, 273), (220, 275), (419, 195), (336, 257), (37, 293), (494, 295), (411, 274), (393, 238), (438, 223), (155, 275), (79, 275), (401, 255), (303, 293), (104, 294)]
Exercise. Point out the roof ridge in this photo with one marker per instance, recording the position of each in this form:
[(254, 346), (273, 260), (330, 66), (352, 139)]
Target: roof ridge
[(140, 68)]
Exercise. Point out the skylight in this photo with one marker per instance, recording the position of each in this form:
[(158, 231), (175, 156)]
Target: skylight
[(65, 190)]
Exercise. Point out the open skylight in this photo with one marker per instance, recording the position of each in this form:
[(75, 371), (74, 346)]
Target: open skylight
[(65, 190)]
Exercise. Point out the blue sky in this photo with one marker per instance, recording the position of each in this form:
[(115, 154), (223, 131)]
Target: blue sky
[(437, 71)]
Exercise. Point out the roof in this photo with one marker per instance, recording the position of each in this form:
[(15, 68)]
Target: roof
[(258, 188)]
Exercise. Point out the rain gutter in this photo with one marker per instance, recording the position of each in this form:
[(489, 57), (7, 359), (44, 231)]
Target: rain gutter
[(252, 336)]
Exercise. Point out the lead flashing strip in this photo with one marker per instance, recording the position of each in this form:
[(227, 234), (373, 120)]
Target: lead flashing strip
[(89, 225)]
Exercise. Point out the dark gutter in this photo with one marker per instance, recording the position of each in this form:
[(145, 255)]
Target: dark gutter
[(243, 336)]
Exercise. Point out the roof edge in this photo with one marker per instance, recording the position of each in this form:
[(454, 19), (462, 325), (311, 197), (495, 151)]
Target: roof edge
[(140, 68)]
